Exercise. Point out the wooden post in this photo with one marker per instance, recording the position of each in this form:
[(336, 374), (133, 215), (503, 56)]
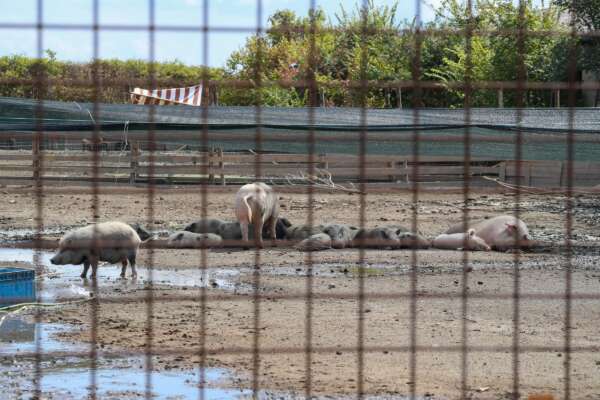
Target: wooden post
[(502, 173), (391, 165), (557, 98), (133, 162), (501, 98), (528, 173), (323, 98), (35, 153), (323, 162), (211, 176), (562, 174), (399, 97), (406, 171), (222, 167)]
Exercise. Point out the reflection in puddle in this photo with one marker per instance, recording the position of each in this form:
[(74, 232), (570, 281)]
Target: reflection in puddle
[(126, 382), (68, 377), (63, 282), (19, 334)]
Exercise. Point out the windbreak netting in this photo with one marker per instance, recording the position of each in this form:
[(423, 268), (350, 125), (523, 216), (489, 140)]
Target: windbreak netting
[(493, 130), (19, 114)]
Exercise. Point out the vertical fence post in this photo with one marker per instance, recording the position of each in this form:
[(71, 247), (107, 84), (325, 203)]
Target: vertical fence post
[(133, 162), (399, 97), (222, 166), (562, 174), (557, 98), (323, 164), (528, 173), (501, 98), (502, 173), (35, 155), (211, 176)]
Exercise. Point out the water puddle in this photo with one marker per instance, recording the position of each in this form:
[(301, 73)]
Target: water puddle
[(128, 383), (68, 377), (63, 282), (19, 334), (125, 382)]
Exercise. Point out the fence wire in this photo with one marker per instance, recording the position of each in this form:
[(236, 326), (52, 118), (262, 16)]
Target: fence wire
[(310, 128)]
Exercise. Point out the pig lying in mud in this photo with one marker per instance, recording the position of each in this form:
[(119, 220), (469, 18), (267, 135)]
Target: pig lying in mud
[(208, 225), (229, 230), (341, 235), (233, 230), (390, 238), (453, 241), (317, 242), (111, 242), (301, 232), (257, 204), (501, 233), (191, 240)]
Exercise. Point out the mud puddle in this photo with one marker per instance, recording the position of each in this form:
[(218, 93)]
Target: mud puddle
[(63, 282), (20, 334), (128, 383), (69, 377)]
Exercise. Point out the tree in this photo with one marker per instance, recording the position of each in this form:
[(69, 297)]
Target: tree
[(498, 53), (586, 17)]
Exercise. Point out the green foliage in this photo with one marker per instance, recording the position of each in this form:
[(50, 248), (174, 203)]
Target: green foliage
[(497, 52), (586, 17), (347, 56), (23, 76)]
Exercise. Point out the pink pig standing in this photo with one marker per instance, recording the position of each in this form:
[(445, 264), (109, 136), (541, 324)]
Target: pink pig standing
[(257, 204), (501, 233)]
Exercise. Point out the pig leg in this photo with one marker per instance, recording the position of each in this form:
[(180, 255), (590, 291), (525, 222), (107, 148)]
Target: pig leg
[(124, 267), (86, 266), (131, 258), (273, 228), (94, 264), (258, 227), (244, 228)]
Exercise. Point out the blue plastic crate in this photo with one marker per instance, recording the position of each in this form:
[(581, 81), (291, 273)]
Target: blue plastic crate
[(17, 285)]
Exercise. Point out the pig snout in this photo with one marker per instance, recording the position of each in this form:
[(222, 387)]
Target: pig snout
[(53, 260)]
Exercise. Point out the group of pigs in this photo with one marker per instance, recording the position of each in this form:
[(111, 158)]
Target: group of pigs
[(499, 233), (257, 212)]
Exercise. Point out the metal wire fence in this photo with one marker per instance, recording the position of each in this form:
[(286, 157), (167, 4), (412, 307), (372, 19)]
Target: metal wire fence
[(360, 132)]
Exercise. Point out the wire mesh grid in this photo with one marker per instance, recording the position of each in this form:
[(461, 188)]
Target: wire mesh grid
[(413, 294)]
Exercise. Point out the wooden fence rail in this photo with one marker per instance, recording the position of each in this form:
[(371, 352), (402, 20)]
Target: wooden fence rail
[(216, 166)]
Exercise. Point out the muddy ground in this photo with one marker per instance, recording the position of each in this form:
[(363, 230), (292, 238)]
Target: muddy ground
[(392, 319)]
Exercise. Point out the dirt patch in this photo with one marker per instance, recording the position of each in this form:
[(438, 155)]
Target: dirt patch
[(410, 301)]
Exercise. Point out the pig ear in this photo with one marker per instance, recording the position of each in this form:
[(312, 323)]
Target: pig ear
[(471, 232), (511, 227), (180, 236)]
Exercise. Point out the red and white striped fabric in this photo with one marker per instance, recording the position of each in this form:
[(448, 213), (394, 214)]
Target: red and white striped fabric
[(190, 96)]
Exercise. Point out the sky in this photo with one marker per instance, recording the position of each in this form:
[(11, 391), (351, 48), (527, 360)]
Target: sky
[(118, 42)]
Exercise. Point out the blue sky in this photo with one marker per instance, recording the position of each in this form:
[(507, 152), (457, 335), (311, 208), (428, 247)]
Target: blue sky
[(77, 45)]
